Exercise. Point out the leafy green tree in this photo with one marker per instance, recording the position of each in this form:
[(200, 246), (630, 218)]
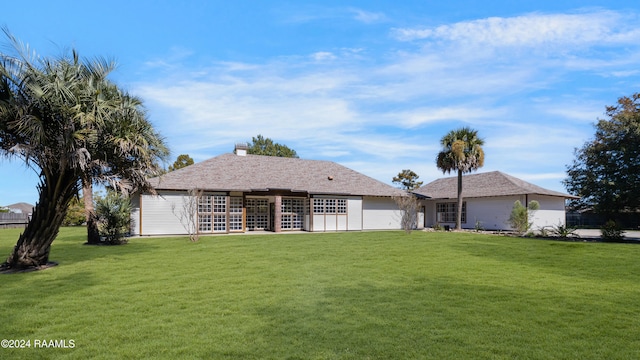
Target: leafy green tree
[(75, 214), (265, 146), (68, 122), (520, 218), (407, 180), (183, 160), (462, 152), (605, 170)]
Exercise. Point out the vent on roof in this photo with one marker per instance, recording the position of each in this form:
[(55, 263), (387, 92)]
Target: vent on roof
[(241, 149)]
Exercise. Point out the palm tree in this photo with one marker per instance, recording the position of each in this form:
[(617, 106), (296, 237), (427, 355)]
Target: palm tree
[(100, 101), (461, 151), (123, 130), (69, 123)]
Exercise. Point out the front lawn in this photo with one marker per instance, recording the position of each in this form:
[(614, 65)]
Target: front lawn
[(361, 295)]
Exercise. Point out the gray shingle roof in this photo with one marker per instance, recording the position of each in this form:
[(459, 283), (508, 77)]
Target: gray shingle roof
[(487, 184), (23, 207), (230, 172)]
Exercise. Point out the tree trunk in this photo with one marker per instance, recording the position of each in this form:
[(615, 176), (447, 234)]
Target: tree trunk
[(93, 236), (459, 212), (34, 244)]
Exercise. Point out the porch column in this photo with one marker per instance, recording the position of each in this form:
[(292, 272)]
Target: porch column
[(277, 221)]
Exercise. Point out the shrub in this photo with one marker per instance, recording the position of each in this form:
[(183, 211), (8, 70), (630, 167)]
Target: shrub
[(409, 208), (520, 218), (113, 213), (611, 231), (563, 232), (75, 214), (544, 232)]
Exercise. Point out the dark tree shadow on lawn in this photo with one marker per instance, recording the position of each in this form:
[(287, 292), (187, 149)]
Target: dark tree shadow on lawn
[(66, 252)]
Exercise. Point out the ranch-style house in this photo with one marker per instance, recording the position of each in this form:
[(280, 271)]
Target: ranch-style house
[(487, 201), (243, 192), (238, 192)]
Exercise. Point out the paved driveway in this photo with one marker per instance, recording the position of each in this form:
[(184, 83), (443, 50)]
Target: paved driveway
[(595, 233)]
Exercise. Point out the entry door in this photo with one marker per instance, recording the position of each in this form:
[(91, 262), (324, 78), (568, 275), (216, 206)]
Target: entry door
[(272, 216)]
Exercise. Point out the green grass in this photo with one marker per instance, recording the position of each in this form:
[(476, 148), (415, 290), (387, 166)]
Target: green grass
[(364, 295)]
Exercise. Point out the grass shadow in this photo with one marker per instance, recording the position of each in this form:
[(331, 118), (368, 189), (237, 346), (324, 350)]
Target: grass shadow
[(589, 261), (70, 247), (38, 292), (436, 318)]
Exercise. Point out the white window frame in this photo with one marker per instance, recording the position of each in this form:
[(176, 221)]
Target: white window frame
[(205, 221), (235, 213), (446, 212), (330, 206), (292, 211), (257, 213)]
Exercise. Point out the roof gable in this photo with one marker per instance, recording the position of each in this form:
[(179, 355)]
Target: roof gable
[(230, 172), (22, 207), (488, 184)]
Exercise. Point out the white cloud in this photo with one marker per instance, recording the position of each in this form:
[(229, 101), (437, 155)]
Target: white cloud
[(625, 73), (383, 112), (423, 116), (323, 56), (170, 61), (367, 16), (312, 13), (587, 113), (531, 30)]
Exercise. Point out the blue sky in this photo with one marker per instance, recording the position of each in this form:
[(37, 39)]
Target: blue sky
[(372, 85)]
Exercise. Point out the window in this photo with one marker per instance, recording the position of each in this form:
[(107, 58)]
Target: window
[(204, 204), (219, 204), (342, 206), (297, 208), (446, 212), (204, 213), (329, 206), (285, 223), (212, 213), (219, 213), (219, 222), (204, 222), (257, 213), (292, 213), (235, 213)]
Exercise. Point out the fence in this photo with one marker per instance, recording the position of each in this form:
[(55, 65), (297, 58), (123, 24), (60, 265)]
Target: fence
[(629, 220), (13, 220)]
